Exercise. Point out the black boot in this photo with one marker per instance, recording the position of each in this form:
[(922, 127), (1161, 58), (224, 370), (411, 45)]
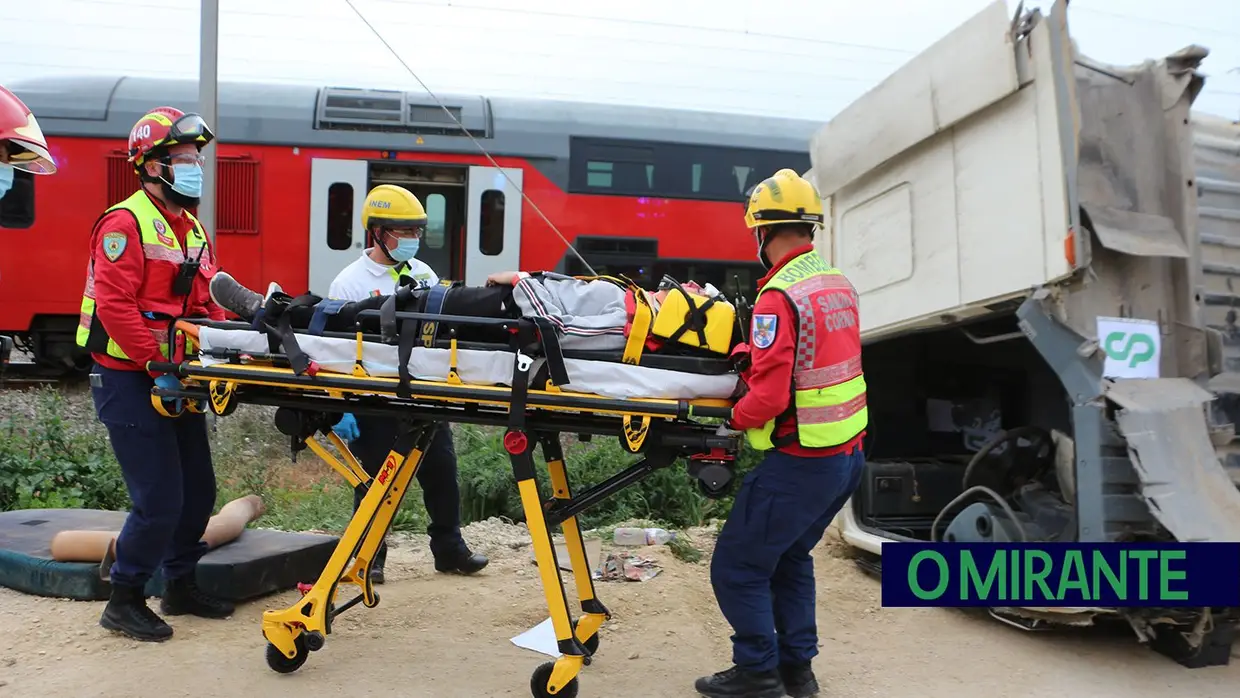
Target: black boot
[(462, 562), (128, 613), (182, 596), (741, 683), (799, 680)]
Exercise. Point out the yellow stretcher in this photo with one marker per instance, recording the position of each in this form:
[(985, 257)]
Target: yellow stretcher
[(309, 402)]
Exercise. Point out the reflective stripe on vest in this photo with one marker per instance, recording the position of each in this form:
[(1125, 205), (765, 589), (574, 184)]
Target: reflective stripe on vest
[(156, 246), (828, 399)]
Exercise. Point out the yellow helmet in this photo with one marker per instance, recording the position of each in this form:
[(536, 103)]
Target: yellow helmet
[(784, 197), (392, 207)]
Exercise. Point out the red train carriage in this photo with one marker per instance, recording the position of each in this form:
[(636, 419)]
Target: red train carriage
[(636, 190)]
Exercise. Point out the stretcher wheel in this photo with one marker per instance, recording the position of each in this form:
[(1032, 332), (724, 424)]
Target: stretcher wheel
[(314, 640), (286, 665), (538, 683), (591, 645)]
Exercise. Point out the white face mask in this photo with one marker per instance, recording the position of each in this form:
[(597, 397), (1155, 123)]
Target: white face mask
[(766, 264)]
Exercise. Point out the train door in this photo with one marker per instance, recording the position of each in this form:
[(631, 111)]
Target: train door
[(441, 189), (492, 222), (445, 227), (337, 191)]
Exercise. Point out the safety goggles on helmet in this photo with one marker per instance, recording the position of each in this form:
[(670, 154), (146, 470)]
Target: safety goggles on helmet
[(190, 128)]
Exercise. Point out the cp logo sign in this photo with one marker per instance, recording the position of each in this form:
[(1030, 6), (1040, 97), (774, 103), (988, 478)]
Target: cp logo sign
[(1134, 347)]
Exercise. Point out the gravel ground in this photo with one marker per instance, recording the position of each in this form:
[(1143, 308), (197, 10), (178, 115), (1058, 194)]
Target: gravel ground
[(441, 636), (438, 636)]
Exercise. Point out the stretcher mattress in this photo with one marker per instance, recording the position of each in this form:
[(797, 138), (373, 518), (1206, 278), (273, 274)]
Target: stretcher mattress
[(604, 378)]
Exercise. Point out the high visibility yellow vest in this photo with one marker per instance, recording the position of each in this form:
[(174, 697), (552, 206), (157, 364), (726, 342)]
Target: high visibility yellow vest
[(160, 248), (828, 399)]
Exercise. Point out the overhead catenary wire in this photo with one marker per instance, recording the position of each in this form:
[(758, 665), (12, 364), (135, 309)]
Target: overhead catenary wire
[(477, 144)]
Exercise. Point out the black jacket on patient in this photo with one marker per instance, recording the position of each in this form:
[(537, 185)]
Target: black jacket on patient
[(316, 314)]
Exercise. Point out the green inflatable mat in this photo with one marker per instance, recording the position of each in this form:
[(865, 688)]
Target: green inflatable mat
[(259, 562)]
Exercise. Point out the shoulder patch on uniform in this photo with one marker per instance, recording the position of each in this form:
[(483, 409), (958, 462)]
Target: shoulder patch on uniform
[(113, 245), (763, 332)]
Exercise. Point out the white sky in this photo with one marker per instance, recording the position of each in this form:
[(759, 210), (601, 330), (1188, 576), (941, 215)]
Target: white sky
[(802, 58)]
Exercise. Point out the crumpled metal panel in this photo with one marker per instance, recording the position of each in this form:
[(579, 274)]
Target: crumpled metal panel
[(1183, 481)]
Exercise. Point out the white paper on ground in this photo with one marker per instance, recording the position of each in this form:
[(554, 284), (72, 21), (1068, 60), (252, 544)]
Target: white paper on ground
[(540, 638)]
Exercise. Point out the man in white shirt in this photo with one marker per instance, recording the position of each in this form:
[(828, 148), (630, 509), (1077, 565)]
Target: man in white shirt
[(395, 221)]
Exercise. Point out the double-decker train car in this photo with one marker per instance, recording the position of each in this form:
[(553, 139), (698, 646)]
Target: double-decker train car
[(636, 190)]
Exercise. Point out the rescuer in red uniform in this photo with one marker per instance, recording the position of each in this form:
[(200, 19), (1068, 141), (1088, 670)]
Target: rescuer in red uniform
[(805, 407), (150, 262), (22, 145)]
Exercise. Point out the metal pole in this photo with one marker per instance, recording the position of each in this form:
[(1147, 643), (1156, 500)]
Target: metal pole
[(208, 107)]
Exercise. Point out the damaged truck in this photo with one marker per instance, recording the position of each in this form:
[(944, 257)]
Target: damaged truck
[(1046, 327)]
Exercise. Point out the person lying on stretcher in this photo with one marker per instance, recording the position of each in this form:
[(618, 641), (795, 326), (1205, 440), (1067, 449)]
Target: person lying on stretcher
[(590, 313)]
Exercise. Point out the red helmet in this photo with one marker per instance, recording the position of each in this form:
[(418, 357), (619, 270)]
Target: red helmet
[(27, 146), (166, 126)]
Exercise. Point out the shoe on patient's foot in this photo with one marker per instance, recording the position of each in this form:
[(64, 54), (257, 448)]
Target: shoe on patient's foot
[(739, 682), (462, 562), (799, 680), (230, 295)]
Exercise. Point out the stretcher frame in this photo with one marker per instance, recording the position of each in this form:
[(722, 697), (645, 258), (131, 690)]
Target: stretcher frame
[(309, 403)]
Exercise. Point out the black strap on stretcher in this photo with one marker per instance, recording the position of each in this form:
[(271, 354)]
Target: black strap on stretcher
[(550, 340), (284, 335), (402, 333)]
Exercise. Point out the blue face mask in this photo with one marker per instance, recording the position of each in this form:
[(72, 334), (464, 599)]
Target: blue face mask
[(6, 179), (406, 248), (187, 180)]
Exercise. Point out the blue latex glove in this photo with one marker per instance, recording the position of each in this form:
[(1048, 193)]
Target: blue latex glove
[(346, 428), (170, 382)]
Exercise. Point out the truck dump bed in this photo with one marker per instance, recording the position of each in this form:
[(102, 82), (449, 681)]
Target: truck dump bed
[(1000, 169)]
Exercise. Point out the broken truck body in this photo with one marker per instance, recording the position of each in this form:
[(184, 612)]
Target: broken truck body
[(999, 203)]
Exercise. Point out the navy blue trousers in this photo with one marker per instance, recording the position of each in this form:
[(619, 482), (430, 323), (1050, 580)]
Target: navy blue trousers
[(762, 571), (437, 478), (167, 468)]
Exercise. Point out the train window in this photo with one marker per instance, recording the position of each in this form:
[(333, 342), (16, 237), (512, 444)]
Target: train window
[(491, 223), (673, 170), (598, 174), (436, 221), (17, 206), (340, 216)]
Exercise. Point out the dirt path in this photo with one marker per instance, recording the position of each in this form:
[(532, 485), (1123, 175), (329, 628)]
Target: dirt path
[(443, 637)]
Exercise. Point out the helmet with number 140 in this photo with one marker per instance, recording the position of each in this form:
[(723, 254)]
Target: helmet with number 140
[(783, 198), (172, 141)]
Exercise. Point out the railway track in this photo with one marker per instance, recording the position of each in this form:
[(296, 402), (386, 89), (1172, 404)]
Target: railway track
[(18, 375), (17, 371)]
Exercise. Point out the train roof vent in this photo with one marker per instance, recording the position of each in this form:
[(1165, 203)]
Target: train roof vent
[(351, 109), (428, 116)]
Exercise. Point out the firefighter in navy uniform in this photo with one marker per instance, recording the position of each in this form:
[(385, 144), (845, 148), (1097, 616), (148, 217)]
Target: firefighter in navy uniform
[(805, 408), (150, 261)]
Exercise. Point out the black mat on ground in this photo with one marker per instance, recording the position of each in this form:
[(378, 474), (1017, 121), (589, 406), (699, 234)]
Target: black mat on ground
[(259, 562)]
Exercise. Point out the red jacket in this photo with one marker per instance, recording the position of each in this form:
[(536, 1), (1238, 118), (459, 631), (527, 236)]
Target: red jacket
[(769, 377), (121, 287)]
